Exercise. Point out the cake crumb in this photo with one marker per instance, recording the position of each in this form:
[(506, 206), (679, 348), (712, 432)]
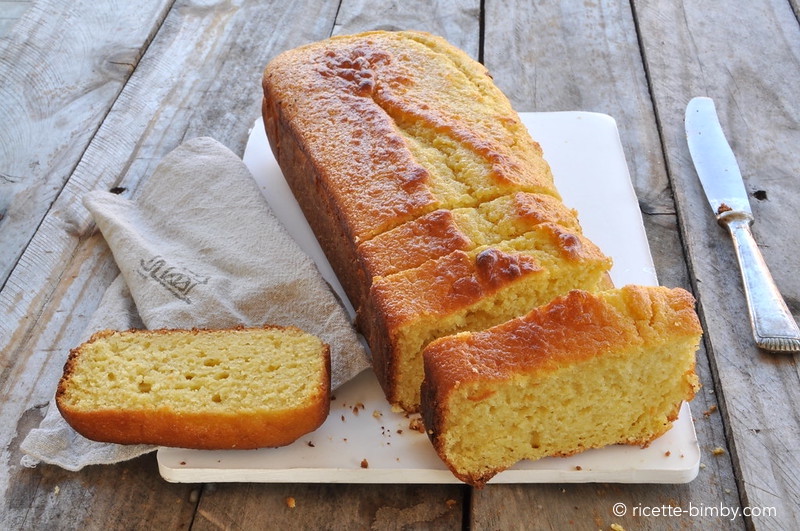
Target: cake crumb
[(707, 413), (450, 503), (290, 503), (311, 444), (702, 465), (397, 409), (377, 414), (56, 490), (617, 527), (718, 450), (416, 424), (364, 463), (578, 467), (667, 453)]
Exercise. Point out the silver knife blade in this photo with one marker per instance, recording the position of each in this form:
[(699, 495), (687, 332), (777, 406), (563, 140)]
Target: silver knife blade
[(714, 159)]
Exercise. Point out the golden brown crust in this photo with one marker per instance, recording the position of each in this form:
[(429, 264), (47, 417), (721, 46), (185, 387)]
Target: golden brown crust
[(411, 244), (533, 209), (209, 430), (340, 140), (568, 330), (439, 233), (452, 282), (315, 198), (198, 431)]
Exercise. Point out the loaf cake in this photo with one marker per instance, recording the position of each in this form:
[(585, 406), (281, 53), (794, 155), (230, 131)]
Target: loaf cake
[(434, 206), (584, 371), (469, 291), (241, 388), (377, 129)]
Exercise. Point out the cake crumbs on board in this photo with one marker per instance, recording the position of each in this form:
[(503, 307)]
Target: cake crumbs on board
[(416, 425)]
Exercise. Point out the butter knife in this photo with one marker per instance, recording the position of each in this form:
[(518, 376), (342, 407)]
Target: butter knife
[(774, 327)]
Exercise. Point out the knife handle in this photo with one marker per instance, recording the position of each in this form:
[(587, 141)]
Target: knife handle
[(774, 327)]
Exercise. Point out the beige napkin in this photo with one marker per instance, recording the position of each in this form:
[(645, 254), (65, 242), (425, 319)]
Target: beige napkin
[(199, 248)]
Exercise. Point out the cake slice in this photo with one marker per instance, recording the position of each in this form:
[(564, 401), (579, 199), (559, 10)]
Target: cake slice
[(241, 388), (585, 371), (444, 231), (469, 291)]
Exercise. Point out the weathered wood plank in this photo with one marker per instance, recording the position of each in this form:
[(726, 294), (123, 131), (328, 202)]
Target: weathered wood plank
[(567, 56), (456, 21), (47, 126), (10, 13), (126, 496), (748, 60), (330, 506)]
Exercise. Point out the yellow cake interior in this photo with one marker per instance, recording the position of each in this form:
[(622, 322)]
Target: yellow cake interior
[(197, 370)]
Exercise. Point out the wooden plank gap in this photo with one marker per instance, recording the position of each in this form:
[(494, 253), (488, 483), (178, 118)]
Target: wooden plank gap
[(481, 30), (335, 21)]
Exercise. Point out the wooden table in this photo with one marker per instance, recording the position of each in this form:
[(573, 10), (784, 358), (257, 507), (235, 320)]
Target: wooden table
[(93, 94)]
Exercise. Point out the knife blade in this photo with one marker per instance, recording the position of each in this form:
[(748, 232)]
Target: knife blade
[(714, 159), (773, 325)]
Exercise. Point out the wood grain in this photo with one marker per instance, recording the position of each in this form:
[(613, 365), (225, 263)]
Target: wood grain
[(563, 56), (458, 22), (10, 13), (741, 58), (331, 506), (570, 56), (47, 126)]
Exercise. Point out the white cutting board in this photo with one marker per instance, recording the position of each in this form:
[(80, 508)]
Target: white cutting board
[(363, 441)]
